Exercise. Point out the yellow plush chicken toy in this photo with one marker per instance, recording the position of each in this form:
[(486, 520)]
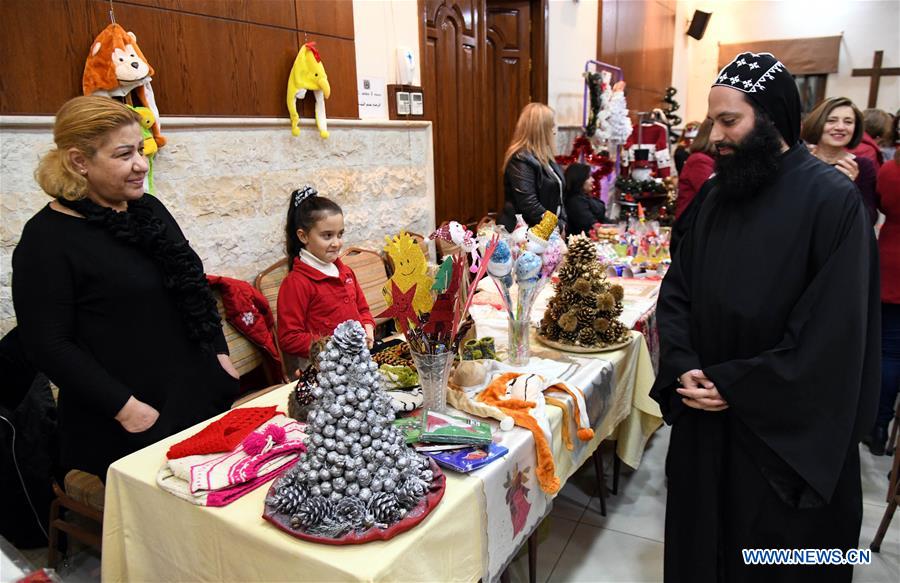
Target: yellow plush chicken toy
[(308, 74)]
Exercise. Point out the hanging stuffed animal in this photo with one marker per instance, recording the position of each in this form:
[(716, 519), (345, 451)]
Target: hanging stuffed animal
[(308, 74), (116, 67), (150, 147)]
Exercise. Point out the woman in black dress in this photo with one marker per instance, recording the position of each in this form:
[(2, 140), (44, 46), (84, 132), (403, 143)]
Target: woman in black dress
[(111, 301)]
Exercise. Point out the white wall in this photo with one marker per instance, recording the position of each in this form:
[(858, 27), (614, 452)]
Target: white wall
[(867, 26), (380, 26), (572, 40)]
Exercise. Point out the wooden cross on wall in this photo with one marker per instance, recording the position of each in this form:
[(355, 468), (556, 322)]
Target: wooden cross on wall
[(876, 72)]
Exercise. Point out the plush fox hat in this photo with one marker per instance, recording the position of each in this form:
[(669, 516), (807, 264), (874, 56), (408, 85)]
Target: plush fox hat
[(116, 66)]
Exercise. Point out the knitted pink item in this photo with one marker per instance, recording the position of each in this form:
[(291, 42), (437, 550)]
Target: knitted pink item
[(258, 441)]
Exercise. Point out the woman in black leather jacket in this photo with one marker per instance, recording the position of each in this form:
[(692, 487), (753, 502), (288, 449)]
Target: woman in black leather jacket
[(532, 180)]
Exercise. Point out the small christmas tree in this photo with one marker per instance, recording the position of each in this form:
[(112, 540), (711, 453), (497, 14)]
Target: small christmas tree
[(357, 472), (585, 309)]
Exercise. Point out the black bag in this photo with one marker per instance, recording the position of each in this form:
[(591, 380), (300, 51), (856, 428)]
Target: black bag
[(27, 404)]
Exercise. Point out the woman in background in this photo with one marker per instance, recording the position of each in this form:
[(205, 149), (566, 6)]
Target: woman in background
[(533, 182), (697, 168), (831, 131), (878, 130), (889, 257), (583, 211)]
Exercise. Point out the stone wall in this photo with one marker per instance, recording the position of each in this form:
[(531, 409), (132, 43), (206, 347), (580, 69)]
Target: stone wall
[(228, 181)]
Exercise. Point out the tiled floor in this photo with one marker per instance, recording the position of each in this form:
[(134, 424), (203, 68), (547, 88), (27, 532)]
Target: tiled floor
[(627, 544), (577, 544)]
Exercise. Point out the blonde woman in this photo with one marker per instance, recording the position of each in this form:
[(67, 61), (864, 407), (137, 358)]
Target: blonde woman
[(111, 301), (532, 180)]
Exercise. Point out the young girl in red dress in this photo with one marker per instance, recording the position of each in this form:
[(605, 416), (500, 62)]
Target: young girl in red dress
[(320, 291)]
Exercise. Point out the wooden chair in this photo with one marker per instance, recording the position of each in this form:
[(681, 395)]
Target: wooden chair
[(269, 282), (420, 240), (371, 272), (488, 219), (82, 494), (893, 493)]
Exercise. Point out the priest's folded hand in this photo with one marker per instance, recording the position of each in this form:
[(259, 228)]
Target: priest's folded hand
[(699, 392)]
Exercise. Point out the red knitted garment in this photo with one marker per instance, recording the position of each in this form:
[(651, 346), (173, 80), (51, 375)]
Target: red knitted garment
[(224, 434)]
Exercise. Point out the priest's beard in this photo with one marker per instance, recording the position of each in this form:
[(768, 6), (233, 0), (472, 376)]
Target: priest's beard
[(753, 163)]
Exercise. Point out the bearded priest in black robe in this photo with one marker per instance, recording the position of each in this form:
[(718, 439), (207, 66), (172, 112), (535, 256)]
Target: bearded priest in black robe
[(770, 346)]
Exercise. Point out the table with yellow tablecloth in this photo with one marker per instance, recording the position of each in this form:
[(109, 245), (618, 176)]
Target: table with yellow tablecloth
[(150, 535)]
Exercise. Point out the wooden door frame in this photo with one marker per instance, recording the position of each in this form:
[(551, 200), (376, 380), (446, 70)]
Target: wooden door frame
[(540, 13), (539, 50)]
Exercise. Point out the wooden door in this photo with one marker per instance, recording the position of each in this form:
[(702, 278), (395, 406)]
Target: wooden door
[(639, 38), (452, 79), (509, 88), (482, 61)]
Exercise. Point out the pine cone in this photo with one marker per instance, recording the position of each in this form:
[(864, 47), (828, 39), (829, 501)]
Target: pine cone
[(568, 337), (384, 508), (549, 329), (313, 511), (617, 332), (351, 511), (568, 273), (587, 337), (349, 337), (586, 317), (288, 499), (567, 298), (581, 250), (410, 492)]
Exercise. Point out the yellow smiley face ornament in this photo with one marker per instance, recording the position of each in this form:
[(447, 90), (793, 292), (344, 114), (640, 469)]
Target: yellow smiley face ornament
[(410, 267)]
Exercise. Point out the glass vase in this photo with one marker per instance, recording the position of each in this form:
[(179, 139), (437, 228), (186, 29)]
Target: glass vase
[(519, 341), (434, 373)]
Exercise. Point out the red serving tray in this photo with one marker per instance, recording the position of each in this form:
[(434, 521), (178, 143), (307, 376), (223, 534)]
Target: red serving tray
[(412, 518)]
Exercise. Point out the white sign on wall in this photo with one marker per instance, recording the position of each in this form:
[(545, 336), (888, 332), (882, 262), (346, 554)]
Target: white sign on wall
[(372, 98)]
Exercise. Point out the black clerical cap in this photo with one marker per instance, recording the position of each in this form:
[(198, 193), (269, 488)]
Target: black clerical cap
[(770, 85)]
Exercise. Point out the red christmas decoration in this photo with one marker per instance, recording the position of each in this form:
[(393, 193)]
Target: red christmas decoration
[(401, 308)]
